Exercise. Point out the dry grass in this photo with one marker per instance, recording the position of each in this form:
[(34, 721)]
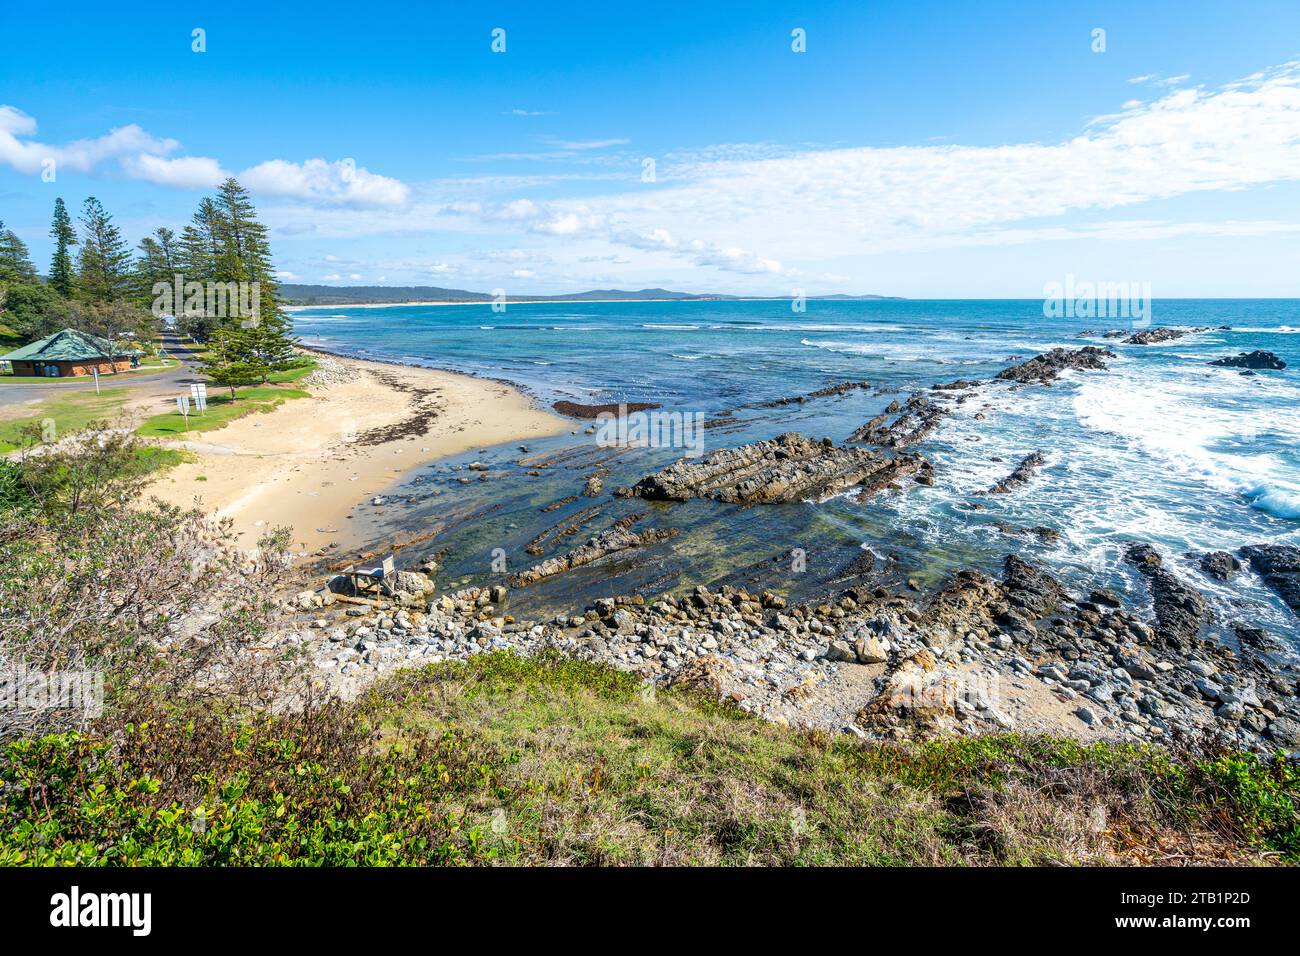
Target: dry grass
[(605, 774)]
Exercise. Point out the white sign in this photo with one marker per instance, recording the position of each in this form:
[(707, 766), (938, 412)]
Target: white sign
[(183, 404)]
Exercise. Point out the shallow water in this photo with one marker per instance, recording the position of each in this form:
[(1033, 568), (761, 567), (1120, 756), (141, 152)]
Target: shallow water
[(1161, 447)]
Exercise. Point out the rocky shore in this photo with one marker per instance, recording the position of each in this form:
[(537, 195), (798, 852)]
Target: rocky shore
[(976, 655), (973, 655)]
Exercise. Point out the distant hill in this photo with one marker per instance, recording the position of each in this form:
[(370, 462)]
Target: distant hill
[(297, 294)]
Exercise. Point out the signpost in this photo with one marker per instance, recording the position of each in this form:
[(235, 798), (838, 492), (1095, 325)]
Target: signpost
[(95, 371), (199, 392), (183, 406)]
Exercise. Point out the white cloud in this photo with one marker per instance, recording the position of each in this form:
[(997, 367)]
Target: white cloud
[(287, 276), (1157, 80), (148, 158), (584, 144), (342, 182), (185, 172), (774, 211), (765, 210), (865, 200), (83, 155)]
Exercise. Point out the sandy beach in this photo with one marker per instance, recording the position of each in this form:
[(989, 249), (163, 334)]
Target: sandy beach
[(309, 462)]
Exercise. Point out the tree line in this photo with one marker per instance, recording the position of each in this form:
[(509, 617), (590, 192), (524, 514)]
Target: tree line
[(96, 284)]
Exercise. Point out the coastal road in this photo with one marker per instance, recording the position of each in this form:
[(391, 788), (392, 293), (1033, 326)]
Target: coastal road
[(147, 388)]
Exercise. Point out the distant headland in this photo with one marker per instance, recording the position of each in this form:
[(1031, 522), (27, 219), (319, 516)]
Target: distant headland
[(297, 294)]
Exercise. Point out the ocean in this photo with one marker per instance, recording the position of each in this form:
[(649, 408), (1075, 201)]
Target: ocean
[(1161, 448)]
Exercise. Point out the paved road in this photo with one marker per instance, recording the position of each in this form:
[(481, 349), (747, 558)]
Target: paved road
[(145, 387)]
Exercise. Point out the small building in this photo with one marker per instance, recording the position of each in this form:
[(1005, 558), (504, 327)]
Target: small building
[(70, 353)]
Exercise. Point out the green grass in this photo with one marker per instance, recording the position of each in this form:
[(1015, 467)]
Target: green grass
[(502, 760), (221, 411), (294, 374), (70, 413)]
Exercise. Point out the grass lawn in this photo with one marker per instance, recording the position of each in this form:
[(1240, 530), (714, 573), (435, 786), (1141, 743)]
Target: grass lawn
[(69, 413), (294, 374), (221, 410)]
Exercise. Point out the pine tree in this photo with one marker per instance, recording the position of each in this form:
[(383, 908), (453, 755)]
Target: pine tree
[(200, 244), (104, 273), (158, 262), (246, 253), (197, 252), (27, 304), (231, 359), (245, 256), (64, 236), (15, 261)]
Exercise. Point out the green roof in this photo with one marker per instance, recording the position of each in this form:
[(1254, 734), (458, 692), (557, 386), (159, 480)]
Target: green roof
[(66, 346)]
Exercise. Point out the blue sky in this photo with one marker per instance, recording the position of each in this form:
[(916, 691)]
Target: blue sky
[(918, 149)]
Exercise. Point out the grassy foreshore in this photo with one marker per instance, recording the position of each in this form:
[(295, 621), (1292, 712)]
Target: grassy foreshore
[(503, 760)]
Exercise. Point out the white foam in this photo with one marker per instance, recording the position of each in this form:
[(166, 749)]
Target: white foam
[(1187, 423)]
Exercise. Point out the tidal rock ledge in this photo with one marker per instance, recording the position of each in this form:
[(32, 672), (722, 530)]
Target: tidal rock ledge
[(788, 468)]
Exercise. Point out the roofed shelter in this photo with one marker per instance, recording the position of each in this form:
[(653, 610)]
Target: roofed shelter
[(70, 353)]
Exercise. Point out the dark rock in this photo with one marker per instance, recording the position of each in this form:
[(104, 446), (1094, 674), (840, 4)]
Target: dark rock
[(1256, 359), (1154, 336), (788, 468), (1279, 566), (829, 391), (1258, 639), (577, 410), (1043, 369), (1220, 565), (1030, 589), (1048, 535), (916, 420), (607, 542), (1286, 731), (1024, 471), (1181, 611)]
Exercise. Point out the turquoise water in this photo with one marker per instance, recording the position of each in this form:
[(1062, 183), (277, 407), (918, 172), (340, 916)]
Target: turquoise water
[(1160, 448)]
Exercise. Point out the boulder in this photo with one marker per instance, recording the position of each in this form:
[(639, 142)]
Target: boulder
[(410, 582), (870, 650), (1219, 565), (1258, 359)]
